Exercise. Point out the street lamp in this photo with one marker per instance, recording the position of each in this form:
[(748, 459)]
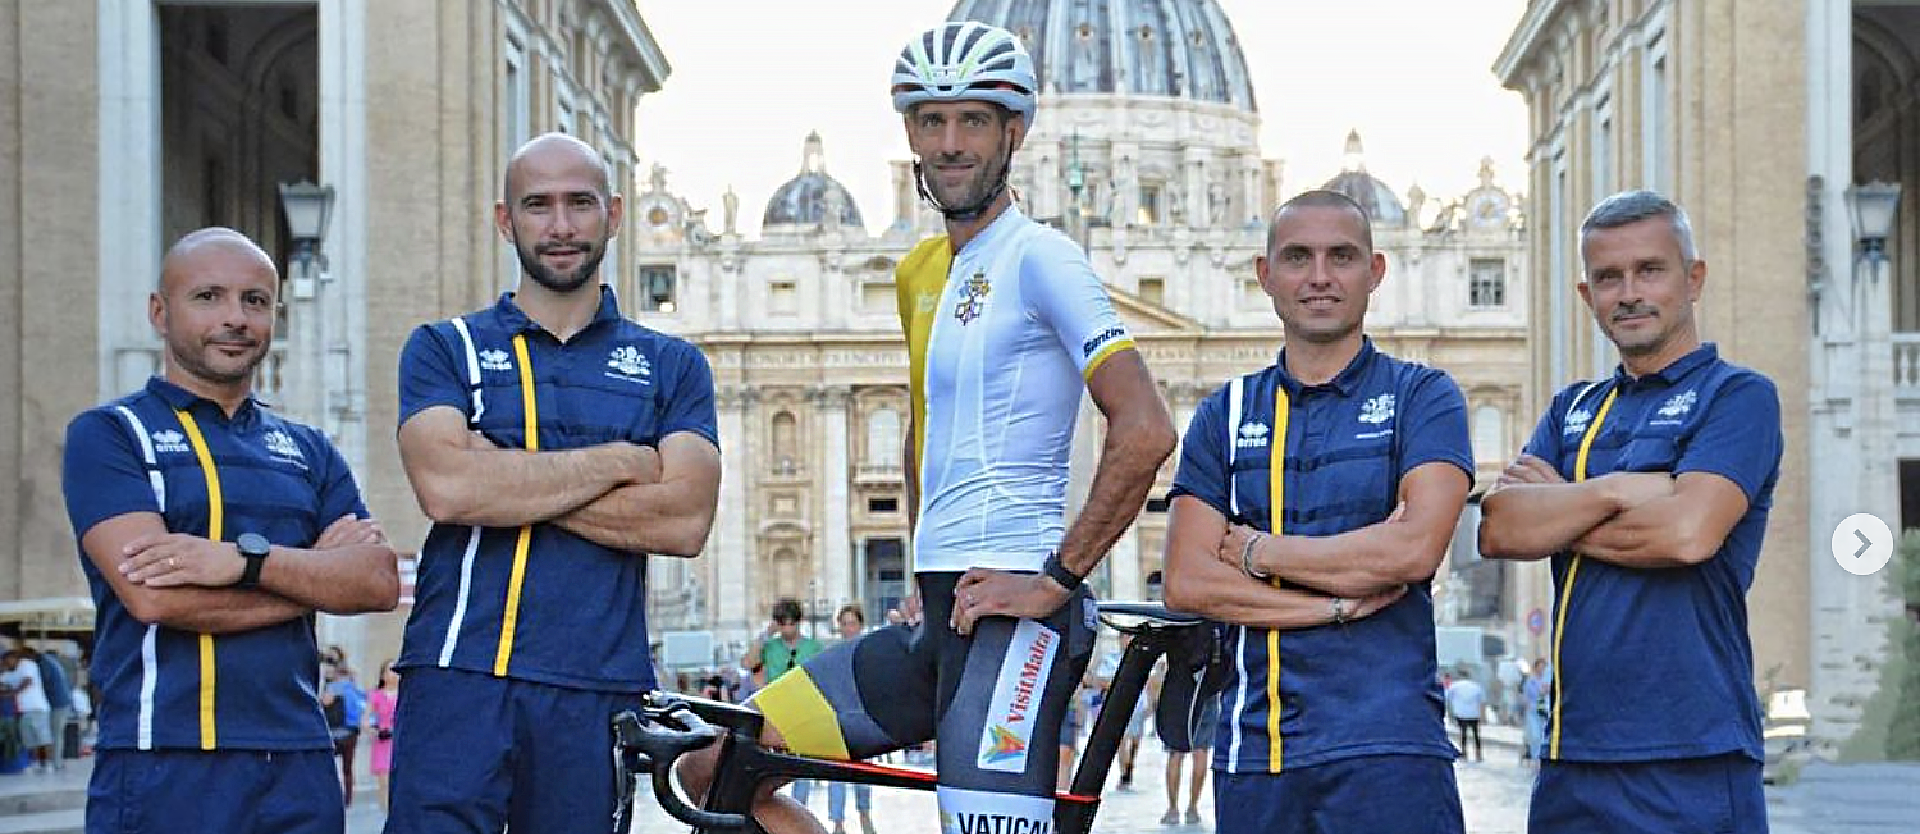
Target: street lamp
[(1872, 207), (307, 207)]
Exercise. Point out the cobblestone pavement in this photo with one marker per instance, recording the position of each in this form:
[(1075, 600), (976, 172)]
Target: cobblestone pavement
[(1493, 793)]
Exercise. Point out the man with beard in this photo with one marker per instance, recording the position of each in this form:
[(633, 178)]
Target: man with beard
[(554, 443), (1649, 491), (210, 531), (1006, 324), (1314, 501)]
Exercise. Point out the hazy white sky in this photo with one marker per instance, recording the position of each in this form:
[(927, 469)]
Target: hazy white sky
[(752, 77)]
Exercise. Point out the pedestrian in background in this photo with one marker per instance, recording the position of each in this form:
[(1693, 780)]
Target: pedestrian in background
[(1467, 703), (851, 622), (381, 705)]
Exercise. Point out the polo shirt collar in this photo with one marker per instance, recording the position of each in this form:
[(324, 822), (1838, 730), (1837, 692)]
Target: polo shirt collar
[(1343, 383), (516, 320), (1675, 371), (180, 398)]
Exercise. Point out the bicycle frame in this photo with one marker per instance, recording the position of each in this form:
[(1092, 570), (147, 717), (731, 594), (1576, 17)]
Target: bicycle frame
[(674, 725)]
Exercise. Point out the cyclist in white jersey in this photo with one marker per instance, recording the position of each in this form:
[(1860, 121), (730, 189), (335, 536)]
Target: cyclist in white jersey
[(1006, 324)]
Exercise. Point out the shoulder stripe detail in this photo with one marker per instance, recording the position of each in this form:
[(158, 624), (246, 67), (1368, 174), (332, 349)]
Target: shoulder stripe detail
[(154, 478), (1235, 390), (473, 370), (149, 652), (1234, 393), (452, 639), (149, 681)]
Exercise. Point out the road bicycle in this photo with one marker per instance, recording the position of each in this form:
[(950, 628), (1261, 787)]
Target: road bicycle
[(669, 725)]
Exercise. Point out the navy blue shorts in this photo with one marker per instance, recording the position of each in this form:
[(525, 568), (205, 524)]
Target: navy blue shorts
[(1714, 795), (1365, 795), (241, 791), (476, 753)]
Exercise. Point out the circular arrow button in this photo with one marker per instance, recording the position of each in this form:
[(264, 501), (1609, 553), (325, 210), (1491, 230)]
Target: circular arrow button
[(1862, 544)]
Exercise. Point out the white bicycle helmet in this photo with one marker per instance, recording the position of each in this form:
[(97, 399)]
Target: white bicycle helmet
[(966, 61)]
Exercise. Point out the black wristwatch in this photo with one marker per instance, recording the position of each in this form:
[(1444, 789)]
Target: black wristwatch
[(1057, 571), (254, 549)]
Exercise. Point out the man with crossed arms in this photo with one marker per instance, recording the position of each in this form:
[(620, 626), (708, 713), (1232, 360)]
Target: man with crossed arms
[(1649, 490)]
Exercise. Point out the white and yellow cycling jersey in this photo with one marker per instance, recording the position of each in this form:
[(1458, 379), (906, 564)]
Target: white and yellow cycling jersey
[(1001, 337)]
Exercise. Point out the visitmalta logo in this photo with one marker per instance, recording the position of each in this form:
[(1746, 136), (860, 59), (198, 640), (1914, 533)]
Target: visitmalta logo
[(1005, 745), (1016, 698)]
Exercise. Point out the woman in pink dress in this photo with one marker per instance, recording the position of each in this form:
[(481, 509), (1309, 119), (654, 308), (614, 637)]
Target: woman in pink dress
[(382, 701)]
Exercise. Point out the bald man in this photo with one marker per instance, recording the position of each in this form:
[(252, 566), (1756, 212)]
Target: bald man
[(555, 444), (210, 531)]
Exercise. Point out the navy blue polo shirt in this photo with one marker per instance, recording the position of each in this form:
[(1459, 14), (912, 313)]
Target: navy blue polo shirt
[(1656, 663), (277, 478), (1369, 687), (579, 609)]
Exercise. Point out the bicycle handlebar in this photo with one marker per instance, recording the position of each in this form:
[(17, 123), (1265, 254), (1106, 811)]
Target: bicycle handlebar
[(658, 736)]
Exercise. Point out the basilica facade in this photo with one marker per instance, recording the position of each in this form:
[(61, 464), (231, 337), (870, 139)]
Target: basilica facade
[(1145, 150)]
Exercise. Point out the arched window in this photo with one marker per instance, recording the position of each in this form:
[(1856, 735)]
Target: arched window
[(883, 437), (1490, 436), (786, 443)]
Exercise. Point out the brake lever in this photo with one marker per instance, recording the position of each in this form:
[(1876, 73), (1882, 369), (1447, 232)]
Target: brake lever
[(656, 743)]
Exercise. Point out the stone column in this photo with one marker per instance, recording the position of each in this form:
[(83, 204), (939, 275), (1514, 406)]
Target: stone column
[(726, 565), (836, 553), (1194, 191)]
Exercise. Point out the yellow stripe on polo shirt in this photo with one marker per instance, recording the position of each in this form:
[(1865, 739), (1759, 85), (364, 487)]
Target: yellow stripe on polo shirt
[(1573, 567), (216, 511), (1277, 492), (510, 617)]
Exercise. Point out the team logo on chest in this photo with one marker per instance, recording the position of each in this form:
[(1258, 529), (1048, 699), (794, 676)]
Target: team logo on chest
[(1577, 421), (1252, 436), (1676, 407), (281, 445), (495, 360), (1377, 410), (973, 298), (168, 440), (630, 364)]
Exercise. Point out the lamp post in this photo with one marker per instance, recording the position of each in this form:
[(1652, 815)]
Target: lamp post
[(1871, 207), (316, 358), (308, 207)]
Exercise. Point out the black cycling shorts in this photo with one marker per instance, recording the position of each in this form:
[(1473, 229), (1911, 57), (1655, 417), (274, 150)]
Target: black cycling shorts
[(994, 700)]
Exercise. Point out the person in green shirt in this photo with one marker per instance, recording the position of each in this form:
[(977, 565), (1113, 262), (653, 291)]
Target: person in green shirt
[(781, 647)]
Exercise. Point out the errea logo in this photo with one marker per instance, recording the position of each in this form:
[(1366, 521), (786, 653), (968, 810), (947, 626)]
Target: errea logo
[(1252, 436), (495, 360)]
